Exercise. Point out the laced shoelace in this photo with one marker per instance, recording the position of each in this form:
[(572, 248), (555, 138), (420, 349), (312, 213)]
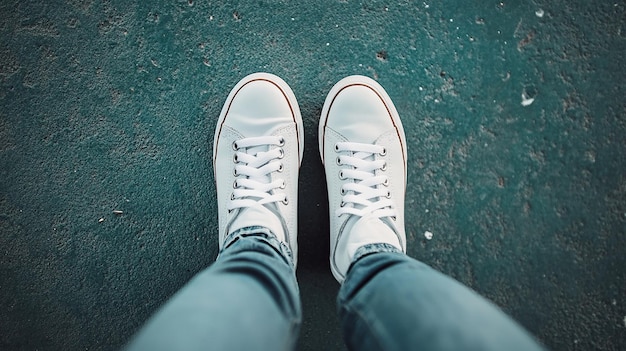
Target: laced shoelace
[(367, 191), (253, 166)]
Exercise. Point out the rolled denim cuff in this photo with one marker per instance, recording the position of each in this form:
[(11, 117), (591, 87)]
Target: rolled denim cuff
[(263, 234), (369, 249)]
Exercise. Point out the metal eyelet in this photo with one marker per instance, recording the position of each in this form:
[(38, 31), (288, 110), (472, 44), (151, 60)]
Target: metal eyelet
[(336, 147), (235, 147), (338, 161), (343, 191), (388, 194), (394, 218), (281, 142), (342, 204), (384, 167), (235, 158), (384, 152), (283, 185), (386, 182), (235, 185), (282, 153), (285, 201), (232, 196), (341, 175), (280, 167), (235, 172)]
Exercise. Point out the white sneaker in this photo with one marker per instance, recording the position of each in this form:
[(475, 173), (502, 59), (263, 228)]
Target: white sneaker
[(363, 148), (257, 151)]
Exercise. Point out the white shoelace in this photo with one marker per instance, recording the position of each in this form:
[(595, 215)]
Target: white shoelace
[(367, 191), (253, 166)]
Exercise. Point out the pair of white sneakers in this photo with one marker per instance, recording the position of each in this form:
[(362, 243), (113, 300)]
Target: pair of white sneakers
[(257, 152)]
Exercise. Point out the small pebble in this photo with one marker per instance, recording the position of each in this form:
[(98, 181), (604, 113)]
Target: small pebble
[(527, 101), (539, 13), (428, 235)]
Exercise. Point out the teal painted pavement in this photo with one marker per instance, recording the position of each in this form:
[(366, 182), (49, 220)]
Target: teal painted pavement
[(514, 113)]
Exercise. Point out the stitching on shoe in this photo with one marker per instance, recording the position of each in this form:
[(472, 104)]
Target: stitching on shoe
[(381, 99), (293, 115)]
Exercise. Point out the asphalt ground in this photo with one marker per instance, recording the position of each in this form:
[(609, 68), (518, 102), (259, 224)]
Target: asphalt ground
[(514, 113)]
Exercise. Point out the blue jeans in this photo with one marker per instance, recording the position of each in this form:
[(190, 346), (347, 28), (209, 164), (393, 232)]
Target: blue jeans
[(249, 300)]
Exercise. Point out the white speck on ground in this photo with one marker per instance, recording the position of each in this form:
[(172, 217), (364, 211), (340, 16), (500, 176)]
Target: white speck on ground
[(539, 13), (428, 235), (526, 101), (101, 220)]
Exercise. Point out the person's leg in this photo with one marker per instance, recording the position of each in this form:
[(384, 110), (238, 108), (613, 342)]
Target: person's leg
[(247, 300), (390, 301)]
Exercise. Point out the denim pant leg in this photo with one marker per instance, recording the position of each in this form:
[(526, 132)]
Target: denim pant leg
[(390, 301), (247, 300)]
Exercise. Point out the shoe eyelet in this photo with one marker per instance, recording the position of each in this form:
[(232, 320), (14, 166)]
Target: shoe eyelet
[(342, 204), (235, 146), (285, 201), (230, 210), (384, 167), (232, 196), (341, 176), (282, 153), (388, 194), (235, 172), (384, 152), (343, 191), (235, 158), (281, 141), (394, 218), (336, 147), (338, 161), (283, 185), (235, 184), (280, 168), (386, 182)]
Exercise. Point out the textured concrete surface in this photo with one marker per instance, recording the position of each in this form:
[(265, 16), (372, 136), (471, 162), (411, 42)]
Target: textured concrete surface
[(111, 105)]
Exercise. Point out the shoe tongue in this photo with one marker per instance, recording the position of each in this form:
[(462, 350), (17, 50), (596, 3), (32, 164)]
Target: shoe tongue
[(261, 216), (367, 158), (255, 151), (370, 230)]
